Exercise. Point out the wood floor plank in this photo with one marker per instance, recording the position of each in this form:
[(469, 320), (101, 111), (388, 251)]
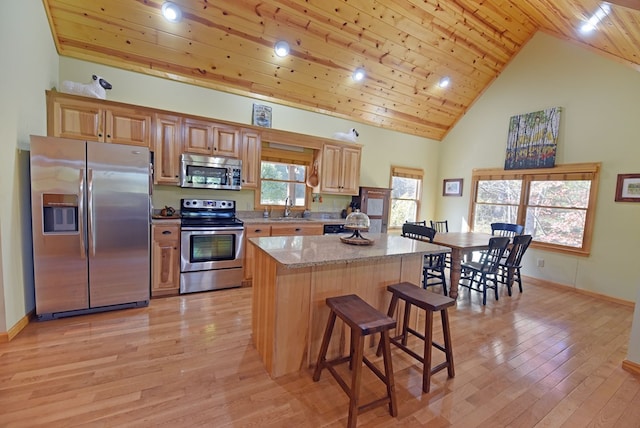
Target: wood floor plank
[(544, 358)]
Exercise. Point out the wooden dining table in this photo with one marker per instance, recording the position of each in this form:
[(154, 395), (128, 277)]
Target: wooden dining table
[(461, 243)]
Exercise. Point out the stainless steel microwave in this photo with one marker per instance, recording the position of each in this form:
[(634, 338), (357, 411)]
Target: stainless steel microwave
[(209, 172)]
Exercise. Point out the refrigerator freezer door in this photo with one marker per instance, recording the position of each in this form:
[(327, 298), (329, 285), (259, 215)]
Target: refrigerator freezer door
[(118, 211), (60, 260)]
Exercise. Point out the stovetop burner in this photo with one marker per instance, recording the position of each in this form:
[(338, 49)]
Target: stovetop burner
[(208, 213)]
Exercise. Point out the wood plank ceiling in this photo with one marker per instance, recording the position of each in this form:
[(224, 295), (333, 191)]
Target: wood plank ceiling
[(405, 47)]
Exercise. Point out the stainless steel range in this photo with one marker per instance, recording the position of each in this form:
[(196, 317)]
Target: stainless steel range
[(211, 245)]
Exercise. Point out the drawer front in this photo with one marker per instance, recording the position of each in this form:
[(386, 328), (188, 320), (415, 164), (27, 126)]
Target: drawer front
[(257, 231), (296, 230), (166, 233)]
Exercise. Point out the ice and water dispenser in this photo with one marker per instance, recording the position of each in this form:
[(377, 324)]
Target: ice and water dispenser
[(59, 213)]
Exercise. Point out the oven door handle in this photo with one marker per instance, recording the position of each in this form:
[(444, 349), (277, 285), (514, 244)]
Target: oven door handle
[(210, 228)]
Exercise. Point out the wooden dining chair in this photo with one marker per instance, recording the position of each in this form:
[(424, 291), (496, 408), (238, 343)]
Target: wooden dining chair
[(510, 267), (506, 229), (483, 274), (434, 264), (442, 226)]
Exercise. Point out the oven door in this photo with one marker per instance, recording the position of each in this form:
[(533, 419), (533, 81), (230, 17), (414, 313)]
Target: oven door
[(211, 248)]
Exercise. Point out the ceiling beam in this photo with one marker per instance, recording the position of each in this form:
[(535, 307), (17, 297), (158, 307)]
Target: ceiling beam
[(631, 4)]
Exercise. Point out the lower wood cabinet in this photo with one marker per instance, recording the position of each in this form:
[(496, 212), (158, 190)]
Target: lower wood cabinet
[(263, 230), (165, 260)]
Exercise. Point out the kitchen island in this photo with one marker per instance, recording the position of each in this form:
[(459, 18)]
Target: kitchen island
[(293, 275)]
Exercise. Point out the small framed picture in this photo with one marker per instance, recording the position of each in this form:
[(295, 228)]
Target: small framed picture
[(452, 187), (628, 188), (261, 116)]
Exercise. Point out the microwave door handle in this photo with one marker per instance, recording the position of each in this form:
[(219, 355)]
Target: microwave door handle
[(81, 225), (92, 226)]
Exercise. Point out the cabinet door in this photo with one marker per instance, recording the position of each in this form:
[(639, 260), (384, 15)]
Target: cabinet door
[(165, 251), (250, 155), (254, 231), (375, 202), (198, 136), (350, 172), (76, 119), (226, 141), (128, 126), (330, 180), (167, 149)]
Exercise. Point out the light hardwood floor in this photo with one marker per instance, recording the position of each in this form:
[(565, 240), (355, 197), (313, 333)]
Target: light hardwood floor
[(544, 358)]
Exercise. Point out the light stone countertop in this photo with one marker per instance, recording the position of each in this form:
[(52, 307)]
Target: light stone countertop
[(305, 251)]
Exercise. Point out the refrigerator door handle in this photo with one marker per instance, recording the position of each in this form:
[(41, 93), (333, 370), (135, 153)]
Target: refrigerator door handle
[(91, 217), (81, 217)]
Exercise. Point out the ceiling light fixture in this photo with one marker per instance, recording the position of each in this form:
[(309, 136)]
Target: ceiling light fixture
[(358, 74), (595, 19), (444, 82), (281, 48), (171, 12)]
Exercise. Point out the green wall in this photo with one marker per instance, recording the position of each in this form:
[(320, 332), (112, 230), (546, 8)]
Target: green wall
[(599, 123)]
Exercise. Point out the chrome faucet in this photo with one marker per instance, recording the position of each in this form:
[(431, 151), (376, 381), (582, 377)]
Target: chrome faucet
[(287, 207)]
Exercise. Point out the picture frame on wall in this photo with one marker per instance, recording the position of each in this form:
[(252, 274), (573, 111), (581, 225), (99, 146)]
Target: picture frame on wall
[(261, 116), (628, 188), (452, 187)]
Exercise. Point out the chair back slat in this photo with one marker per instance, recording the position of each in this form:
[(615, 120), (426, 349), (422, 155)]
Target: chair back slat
[(506, 229), (490, 259)]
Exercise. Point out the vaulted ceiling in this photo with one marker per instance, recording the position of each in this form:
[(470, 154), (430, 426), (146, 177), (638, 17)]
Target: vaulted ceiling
[(404, 46)]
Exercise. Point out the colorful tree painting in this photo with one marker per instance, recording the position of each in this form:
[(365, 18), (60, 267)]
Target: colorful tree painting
[(532, 139)]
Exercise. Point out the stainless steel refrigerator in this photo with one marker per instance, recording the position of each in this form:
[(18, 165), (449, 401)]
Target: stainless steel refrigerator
[(90, 217)]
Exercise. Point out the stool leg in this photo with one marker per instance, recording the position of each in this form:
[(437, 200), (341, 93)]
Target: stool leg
[(405, 322), (428, 341), (354, 396), (388, 371), (325, 345), (390, 312), (446, 332)]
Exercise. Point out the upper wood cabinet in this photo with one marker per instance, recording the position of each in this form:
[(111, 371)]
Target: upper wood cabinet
[(250, 155), (167, 148), (71, 117), (210, 138), (340, 169)]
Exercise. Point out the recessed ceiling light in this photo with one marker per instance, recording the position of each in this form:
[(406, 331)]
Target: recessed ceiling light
[(171, 12), (281, 48), (358, 74), (444, 82), (595, 19)]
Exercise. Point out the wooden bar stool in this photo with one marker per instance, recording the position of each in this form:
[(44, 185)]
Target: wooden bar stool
[(363, 321), (430, 302)]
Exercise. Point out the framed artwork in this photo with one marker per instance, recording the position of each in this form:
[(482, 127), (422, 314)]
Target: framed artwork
[(533, 139), (452, 187), (628, 188), (261, 116)]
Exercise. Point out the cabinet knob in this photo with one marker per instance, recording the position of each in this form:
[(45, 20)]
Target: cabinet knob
[(166, 232)]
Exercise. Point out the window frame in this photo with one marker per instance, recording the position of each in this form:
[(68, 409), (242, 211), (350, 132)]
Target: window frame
[(304, 157), (582, 171), (406, 172)]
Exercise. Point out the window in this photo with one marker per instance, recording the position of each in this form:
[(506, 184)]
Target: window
[(282, 177), (555, 205), (406, 189)]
